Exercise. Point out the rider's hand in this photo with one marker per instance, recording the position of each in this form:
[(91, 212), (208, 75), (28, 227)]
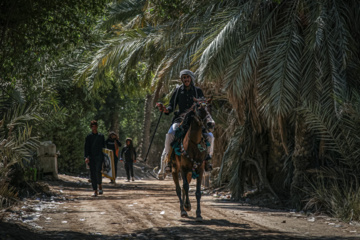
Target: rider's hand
[(87, 160), (162, 108)]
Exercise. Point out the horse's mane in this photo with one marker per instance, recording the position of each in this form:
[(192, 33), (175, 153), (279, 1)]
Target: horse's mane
[(187, 117), (187, 113)]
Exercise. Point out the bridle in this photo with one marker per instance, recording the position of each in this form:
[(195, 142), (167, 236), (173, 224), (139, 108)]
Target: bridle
[(198, 105)]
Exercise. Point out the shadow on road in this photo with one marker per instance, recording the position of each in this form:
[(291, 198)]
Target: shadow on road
[(198, 230)]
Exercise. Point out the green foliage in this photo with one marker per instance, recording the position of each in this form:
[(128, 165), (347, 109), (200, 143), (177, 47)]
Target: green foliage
[(131, 120), (17, 140), (35, 38), (33, 33), (168, 9)]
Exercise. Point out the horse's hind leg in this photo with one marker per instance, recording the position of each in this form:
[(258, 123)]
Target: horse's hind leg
[(198, 196), (175, 175)]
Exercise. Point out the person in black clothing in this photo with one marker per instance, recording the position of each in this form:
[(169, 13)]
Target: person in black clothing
[(113, 144), (183, 97), (94, 144), (130, 158)]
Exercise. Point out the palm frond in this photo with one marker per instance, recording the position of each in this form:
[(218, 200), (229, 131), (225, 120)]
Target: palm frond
[(121, 12), (280, 77)]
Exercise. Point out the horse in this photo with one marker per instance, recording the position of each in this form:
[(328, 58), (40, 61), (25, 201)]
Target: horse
[(191, 162)]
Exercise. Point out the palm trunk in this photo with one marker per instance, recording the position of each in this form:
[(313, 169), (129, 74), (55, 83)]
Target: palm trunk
[(275, 164), (114, 124), (148, 106), (301, 160)]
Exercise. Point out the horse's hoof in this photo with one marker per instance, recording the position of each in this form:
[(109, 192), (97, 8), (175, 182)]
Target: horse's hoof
[(184, 214), (199, 219), (187, 208)]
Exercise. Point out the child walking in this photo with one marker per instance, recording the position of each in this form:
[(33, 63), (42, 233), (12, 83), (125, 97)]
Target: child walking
[(130, 158)]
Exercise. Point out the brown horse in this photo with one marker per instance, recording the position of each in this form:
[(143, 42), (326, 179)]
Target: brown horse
[(191, 163)]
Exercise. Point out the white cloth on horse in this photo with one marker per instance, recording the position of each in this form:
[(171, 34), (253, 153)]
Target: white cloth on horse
[(161, 173)]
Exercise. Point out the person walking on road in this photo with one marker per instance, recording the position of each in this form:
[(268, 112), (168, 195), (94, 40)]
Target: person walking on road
[(130, 158), (113, 144), (94, 144)]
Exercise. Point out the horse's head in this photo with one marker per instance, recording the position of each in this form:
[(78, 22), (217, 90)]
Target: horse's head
[(202, 111)]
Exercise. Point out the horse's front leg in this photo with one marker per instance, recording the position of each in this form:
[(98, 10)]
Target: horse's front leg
[(198, 194), (187, 204), (175, 175)]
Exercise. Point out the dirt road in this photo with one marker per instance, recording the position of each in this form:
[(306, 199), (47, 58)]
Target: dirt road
[(149, 209)]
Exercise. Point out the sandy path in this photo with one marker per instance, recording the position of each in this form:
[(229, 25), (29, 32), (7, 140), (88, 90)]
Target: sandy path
[(149, 209)]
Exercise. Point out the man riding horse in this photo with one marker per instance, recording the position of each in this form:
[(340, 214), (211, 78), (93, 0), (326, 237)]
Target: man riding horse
[(183, 97)]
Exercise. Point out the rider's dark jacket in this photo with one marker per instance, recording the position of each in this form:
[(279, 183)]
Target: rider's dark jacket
[(184, 98)]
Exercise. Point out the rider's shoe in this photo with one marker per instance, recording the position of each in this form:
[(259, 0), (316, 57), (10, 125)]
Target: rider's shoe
[(168, 169)]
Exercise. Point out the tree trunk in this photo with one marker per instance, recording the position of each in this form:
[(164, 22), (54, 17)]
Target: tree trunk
[(114, 124), (275, 164), (145, 141), (301, 160)]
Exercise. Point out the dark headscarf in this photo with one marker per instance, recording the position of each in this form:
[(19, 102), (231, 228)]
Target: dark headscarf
[(131, 144)]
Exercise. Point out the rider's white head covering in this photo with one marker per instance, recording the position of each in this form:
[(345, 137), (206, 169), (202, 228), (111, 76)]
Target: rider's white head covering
[(188, 72)]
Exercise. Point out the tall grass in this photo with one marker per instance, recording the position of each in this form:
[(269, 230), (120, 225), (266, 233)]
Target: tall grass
[(337, 195), (335, 186)]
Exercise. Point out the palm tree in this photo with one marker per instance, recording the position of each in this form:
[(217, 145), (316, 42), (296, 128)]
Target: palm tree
[(17, 141), (271, 57), (130, 52), (268, 57)]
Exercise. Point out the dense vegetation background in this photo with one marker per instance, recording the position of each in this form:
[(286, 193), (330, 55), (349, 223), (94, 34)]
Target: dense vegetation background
[(284, 76)]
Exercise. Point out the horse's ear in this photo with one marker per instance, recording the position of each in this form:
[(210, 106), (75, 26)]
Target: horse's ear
[(209, 100)]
